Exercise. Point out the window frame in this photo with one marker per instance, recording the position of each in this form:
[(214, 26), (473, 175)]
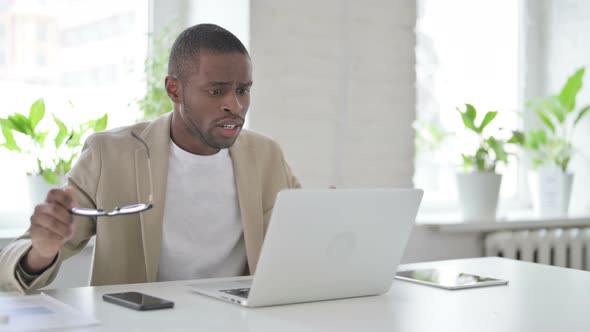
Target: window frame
[(521, 199)]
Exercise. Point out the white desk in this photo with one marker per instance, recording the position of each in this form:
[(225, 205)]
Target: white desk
[(538, 298)]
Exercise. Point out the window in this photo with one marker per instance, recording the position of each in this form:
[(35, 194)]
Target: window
[(467, 52), (88, 54), (42, 31), (3, 42)]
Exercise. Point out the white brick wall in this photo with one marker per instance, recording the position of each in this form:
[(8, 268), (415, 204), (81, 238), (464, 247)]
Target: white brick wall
[(334, 84)]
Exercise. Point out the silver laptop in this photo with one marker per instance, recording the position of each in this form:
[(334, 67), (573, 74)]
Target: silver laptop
[(325, 244)]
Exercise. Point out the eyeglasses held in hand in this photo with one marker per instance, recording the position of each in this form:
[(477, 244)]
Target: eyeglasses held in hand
[(130, 209)]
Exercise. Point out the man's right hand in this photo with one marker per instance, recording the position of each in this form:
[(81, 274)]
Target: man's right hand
[(51, 227)]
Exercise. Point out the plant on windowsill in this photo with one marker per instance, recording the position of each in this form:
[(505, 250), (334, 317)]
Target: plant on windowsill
[(479, 184), (47, 162), (155, 101), (431, 151), (550, 147), (429, 136)]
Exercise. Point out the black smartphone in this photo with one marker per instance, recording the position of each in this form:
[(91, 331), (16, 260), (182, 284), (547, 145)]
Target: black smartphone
[(137, 301)]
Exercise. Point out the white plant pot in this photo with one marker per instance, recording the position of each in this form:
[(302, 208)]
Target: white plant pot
[(38, 188), (550, 190), (478, 195)]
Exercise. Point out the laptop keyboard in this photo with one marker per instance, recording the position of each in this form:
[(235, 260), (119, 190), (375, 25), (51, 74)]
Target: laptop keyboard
[(241, 292)]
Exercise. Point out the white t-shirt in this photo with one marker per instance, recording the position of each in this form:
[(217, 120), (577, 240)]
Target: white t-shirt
[(202, 234)]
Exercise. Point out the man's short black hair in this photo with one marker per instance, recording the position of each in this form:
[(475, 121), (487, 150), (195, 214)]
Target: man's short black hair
[(184, 56)]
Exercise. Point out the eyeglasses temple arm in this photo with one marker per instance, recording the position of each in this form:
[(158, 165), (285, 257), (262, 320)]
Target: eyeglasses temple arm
[(147, 149), (151, 198)]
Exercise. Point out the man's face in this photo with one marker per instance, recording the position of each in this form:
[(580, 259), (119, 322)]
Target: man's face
[(213, 102)]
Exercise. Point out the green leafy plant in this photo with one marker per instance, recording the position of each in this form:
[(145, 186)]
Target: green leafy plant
[(490, 150), (23, 134), (429, 136), (156, 102), (552, 144)]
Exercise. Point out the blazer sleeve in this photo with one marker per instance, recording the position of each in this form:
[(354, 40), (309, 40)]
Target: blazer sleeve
[(84, 178), (292, 180)]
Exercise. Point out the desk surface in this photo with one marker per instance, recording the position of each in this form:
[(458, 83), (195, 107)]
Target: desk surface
[(538, 298)]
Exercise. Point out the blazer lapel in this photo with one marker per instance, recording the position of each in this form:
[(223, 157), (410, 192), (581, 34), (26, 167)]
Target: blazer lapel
[(157, 136), (250, 199)]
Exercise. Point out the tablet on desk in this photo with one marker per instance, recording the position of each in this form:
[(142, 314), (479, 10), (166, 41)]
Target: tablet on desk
[(448, 279)]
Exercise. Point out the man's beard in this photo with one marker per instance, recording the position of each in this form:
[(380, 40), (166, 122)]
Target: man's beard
[(205, 136)]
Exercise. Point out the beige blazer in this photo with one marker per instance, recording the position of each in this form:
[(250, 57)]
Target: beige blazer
[(113, 171)]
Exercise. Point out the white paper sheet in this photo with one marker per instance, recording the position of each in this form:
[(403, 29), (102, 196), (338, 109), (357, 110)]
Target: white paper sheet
[(39, 312)]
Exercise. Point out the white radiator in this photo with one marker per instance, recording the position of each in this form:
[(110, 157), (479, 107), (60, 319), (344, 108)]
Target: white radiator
[(559, 247)]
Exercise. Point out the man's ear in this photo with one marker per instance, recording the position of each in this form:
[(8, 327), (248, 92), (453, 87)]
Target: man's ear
[(174, 89)]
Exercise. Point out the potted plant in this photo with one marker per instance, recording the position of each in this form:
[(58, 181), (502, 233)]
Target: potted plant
[(47, 162), (479, 184), (155, 101), (430, 155), (550, 148)]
